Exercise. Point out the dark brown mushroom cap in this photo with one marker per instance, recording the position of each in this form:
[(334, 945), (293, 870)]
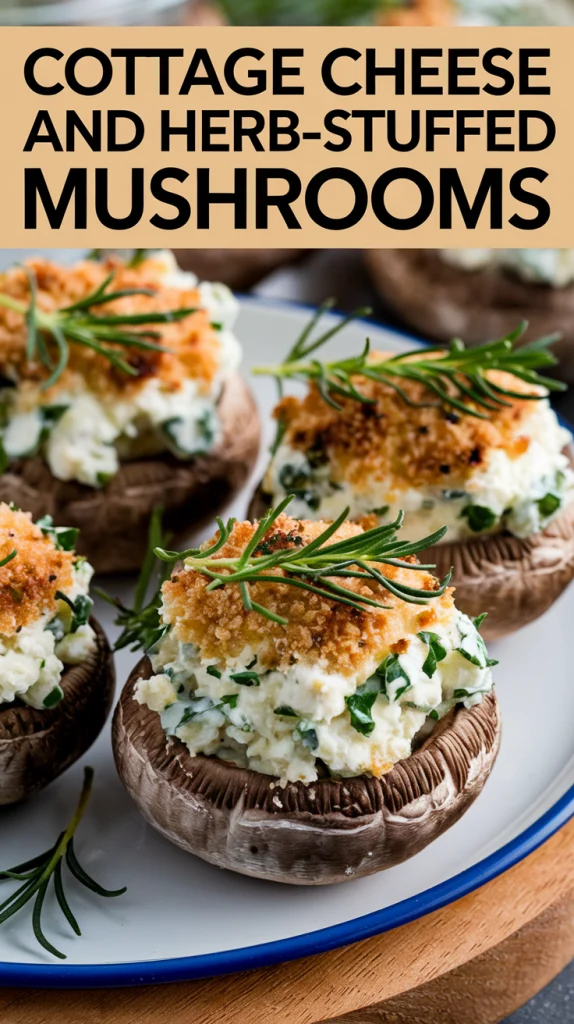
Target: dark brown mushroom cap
[(38, 745), (443, 302), (514, 580), (326, 831), (113, 522), (259, 504)]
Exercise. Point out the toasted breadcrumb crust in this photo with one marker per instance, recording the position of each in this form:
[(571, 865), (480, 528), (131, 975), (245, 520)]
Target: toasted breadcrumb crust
[(194, 342), (390, 439), (318, 629), (28, 583)]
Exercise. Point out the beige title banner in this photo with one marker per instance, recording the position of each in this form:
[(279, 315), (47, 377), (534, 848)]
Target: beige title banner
[(239, 137)]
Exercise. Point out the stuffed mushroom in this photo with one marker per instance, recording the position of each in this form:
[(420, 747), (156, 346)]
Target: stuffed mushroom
[(56, 668), (480, 293), (464, 438), (313, 707), (120, 391)]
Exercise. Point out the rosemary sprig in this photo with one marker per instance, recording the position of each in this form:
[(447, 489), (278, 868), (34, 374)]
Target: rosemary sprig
[(37, 873), (455, 378), (141, 625), (50, 334), (315, 566)]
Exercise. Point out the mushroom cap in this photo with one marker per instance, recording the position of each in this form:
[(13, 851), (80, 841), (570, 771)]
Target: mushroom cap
[(515, 580), (38, 745), (114, 521), (327, 831), (443, 302)]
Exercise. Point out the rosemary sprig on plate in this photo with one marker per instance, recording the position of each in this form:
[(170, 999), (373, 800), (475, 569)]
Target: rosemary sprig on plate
[(141, 626), (315, 566), (109, 334), (37, 873), (456, 377)]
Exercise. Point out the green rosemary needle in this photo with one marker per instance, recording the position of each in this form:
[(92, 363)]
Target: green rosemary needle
[(37, 873), (455, 377), (314, 566), (50, 334)]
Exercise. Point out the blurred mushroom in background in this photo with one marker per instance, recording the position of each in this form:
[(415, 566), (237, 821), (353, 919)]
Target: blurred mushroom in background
[(417, 12), (300, 12)]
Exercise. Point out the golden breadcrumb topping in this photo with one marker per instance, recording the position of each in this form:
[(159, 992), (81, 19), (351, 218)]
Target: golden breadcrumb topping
[(390, 439), (318, 629), (194, 343), (28, 583)]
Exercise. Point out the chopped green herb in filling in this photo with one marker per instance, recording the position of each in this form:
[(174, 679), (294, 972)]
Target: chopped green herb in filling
[(64, 537), (394, 679), (54, 697), (479, 518), (548, 505)]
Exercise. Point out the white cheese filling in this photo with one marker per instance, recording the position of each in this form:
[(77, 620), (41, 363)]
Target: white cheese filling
[(85, 436), (521, 494), (280, 723), (32, 660), (553, 267)]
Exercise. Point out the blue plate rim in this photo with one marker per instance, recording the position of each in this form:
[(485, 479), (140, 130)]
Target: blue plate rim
[(149, 972)]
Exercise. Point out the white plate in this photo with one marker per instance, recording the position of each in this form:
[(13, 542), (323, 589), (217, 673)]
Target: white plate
[(182, 918)]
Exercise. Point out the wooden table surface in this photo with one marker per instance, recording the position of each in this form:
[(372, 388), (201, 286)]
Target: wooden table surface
[(473, 962)]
